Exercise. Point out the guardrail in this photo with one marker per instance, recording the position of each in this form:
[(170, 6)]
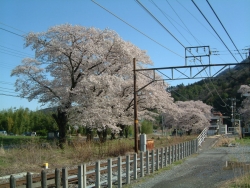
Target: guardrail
[(202, 136), (116, 171)]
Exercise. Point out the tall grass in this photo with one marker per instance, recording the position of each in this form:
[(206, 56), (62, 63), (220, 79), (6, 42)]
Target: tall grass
[(33, 153)]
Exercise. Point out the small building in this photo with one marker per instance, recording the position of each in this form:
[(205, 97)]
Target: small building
[(216, 125)]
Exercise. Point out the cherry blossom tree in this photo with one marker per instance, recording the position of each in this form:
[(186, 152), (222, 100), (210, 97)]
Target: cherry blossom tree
[(114, 104), (245, 109), (190, 116), (66, 58)]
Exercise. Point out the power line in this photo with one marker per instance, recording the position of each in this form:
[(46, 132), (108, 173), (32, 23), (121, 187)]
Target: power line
[(198, 21), (8, 91), (12, 32), (11, 54), (177, 41), (11, 95), (224, 28), (159, 22), (170, 22), (183, 22), (7, 88), (213, 29), (7, 83), (15, 51), (12, 27), (137, 29)]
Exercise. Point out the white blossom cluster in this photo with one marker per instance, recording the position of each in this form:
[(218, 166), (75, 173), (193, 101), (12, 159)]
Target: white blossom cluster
[(88, 73)]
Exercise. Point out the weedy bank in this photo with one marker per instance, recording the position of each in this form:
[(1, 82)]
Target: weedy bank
[(31, 153)]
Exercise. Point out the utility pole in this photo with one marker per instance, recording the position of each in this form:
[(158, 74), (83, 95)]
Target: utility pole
[(233, 107), (135, 109)]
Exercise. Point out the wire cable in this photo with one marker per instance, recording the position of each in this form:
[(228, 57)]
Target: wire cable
[(213, 29), (224, 28), (137, 29), (12, 32), (183, 23), (159, 22), (169, 21)]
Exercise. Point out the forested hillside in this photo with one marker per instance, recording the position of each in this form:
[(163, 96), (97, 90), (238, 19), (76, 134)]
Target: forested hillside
[(216, 91)]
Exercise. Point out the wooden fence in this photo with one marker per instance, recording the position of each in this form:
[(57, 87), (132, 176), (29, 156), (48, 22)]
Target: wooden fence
[(113, 172)]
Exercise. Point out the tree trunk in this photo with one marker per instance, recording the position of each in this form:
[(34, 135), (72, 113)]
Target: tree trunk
[(61, 120), (89, 133), (104, 135)]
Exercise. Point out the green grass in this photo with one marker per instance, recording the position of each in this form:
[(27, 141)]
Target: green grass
[(243, 141), (31, 155), (13, 140)]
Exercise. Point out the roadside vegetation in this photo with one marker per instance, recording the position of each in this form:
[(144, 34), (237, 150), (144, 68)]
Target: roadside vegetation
[(33, 152)]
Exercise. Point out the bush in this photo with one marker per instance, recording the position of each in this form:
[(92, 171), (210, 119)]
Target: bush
[(146, 127)]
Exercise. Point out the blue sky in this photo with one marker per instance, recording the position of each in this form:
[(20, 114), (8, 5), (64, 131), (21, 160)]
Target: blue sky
[(20, 17)]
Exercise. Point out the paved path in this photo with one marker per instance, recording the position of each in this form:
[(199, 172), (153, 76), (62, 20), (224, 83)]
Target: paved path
[(206, 170)]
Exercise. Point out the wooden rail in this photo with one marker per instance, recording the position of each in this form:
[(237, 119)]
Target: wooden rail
[(107, 173)]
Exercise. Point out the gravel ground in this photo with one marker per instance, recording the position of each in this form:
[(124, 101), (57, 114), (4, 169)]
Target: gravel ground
[(204, 170)]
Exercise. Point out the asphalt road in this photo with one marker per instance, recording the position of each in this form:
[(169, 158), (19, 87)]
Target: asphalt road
[(206, 170)]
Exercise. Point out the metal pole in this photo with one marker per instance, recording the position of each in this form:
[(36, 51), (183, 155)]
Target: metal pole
[(135, 109)]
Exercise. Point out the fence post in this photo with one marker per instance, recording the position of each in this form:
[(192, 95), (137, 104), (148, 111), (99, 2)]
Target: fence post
[(172, 158), (182, 150), (175, 151), (170, 154), (189, 148), (80, 176), (28, 180), (135, 166), (65, 177), (12, 182), (157, 159), (97, 174), (109, 172), (197, 145), (57, 178), (119, 177), (179, 151), (186, 148), (192, 146), (142, 164), (128, 169), (43, 179), (153, 161), (162, 155), (147, 162), (166, 156)]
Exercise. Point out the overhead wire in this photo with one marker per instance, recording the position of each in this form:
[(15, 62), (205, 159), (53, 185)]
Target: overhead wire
[(179, 43), (213, 29), (200, 24), (137, 29), (215, 32), (169, 21), (11, 32), (159, 22), (224, 28), (12, 27), (183, 22)]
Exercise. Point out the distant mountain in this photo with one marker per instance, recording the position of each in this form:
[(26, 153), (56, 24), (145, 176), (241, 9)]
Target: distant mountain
[(216, 91)]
